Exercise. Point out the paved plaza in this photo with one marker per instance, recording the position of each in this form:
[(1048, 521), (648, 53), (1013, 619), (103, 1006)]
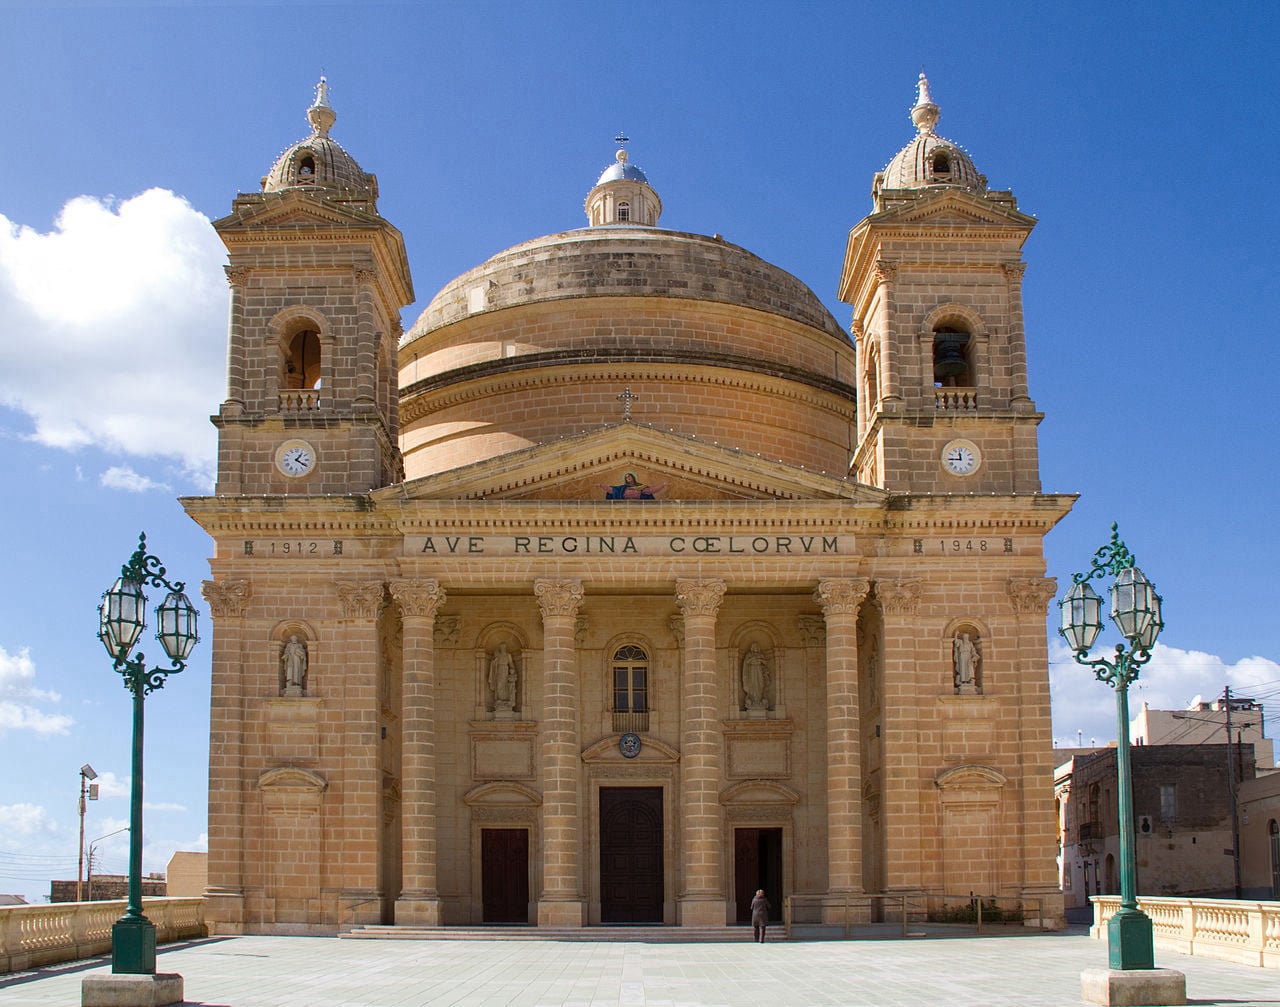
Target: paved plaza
[(1026, 970)]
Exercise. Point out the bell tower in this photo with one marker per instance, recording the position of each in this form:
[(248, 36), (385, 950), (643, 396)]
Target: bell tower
[(934, 276), (317, 279)]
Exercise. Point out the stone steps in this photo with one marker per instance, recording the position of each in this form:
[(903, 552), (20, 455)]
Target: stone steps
[(616, 934)]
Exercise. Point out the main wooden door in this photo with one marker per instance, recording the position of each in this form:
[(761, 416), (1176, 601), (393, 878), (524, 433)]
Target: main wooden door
[(631, 875), (504, 875), (757, 863)]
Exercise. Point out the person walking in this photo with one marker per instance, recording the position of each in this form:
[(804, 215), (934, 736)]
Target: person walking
[(759, 915)]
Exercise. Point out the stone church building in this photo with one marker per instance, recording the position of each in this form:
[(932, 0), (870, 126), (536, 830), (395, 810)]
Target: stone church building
[(625, 582)]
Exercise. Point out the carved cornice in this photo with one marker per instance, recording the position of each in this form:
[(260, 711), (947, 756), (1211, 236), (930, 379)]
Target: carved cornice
[(360, 601), (699, 597), (226, 598), (558, 597), (1031, 595), (418, 597), (899, 597), (841, 596)]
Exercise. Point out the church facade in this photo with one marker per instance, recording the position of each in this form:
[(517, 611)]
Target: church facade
[(626, 582)]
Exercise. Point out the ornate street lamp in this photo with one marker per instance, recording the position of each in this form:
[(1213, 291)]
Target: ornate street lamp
[(122, 618), (1135, 609)]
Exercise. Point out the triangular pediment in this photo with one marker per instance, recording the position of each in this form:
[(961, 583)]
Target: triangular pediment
[(596, 466), (293, 209), (952, 207)]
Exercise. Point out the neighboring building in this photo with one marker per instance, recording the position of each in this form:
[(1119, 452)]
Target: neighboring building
[(187, 874), (13, 900), (1260, 837), (1206, 723), (1182, 820), (625, 582), (105, 887)]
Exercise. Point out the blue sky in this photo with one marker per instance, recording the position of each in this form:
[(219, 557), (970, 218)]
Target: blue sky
[(1135, 133)]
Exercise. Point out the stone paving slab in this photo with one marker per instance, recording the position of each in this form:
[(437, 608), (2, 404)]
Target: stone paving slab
[(1033, 970)]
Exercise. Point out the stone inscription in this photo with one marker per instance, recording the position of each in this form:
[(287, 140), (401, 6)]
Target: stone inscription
[(295, 548), (629, 545), (961, 546)]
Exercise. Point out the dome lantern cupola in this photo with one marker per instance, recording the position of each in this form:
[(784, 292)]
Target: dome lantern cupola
[(622, 194), (929, 160), (320, 164)]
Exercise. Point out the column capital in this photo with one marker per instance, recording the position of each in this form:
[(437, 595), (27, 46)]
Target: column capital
[(236, 275), (1031, 595), (360, 600), (899, 597), (226, 597), (418, 596), (699, 597), (1014, 270), (886, 270), (558, 597), (841, 596)]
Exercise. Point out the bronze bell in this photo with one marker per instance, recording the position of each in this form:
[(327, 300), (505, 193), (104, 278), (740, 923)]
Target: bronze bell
[(948, 355)]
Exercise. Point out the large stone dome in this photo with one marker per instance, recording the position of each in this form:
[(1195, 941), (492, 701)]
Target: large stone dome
[(539, 342)]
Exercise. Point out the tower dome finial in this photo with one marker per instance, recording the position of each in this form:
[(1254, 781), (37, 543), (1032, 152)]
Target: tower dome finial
[(321, 114), (925, 114)]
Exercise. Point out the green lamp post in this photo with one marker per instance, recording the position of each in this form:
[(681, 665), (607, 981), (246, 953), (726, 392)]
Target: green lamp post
[(122, 618), (1135, 610)]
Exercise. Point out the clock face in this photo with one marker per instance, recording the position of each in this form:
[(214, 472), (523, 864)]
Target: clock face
[(961, 458), (295, 458)]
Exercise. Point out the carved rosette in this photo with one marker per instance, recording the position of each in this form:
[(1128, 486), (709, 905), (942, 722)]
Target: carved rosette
[(812, 631), (360, 601), (899, 597), (226, 598), (558, 597), (842, 596), (699, 597), (418, 597), (1031, 595)]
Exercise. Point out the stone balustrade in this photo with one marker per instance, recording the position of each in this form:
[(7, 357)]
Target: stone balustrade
[(31, 936), (300, 400), (1228, 929), (955, 399)]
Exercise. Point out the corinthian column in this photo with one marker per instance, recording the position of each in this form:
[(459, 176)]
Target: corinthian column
[(561, 903), (840, 600), (419, 900), (702, 902)]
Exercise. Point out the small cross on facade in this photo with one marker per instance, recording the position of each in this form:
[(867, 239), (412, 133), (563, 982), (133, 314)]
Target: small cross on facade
[(626, 398)]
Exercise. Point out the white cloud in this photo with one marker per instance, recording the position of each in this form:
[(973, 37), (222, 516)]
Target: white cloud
[(24, 822), (21, 701), (1172, 680), (121, 477), (112, 328)]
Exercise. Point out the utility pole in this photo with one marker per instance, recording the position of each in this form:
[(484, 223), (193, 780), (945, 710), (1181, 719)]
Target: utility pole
[(1232, 783)]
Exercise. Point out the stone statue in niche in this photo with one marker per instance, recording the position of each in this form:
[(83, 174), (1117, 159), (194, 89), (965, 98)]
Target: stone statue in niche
[(293, 660), (503, 680), (755, 678), (968, 664)]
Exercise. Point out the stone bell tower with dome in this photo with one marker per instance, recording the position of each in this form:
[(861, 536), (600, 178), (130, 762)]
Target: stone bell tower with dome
[(934, 276), (317, 282)]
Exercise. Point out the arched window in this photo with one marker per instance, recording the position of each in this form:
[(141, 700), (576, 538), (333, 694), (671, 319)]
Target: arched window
[(624, 210), (941, 163), (952, 367), (302, 361), (307, 167), (630, 673)]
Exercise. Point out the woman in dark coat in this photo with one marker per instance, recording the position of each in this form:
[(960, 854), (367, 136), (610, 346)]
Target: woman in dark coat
[(759, 915)]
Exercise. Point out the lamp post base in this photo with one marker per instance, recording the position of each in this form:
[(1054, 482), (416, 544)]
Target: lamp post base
[(1133, 987), (1131, 940), (131, 990), (133, 946)]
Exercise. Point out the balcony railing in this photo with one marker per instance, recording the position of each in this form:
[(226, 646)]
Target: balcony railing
[(630, 723), (955, 399), (299, 400), (1226, 929), (1090, 832)]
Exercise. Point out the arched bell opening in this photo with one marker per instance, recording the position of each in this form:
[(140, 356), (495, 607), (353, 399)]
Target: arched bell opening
[(952, 357)]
